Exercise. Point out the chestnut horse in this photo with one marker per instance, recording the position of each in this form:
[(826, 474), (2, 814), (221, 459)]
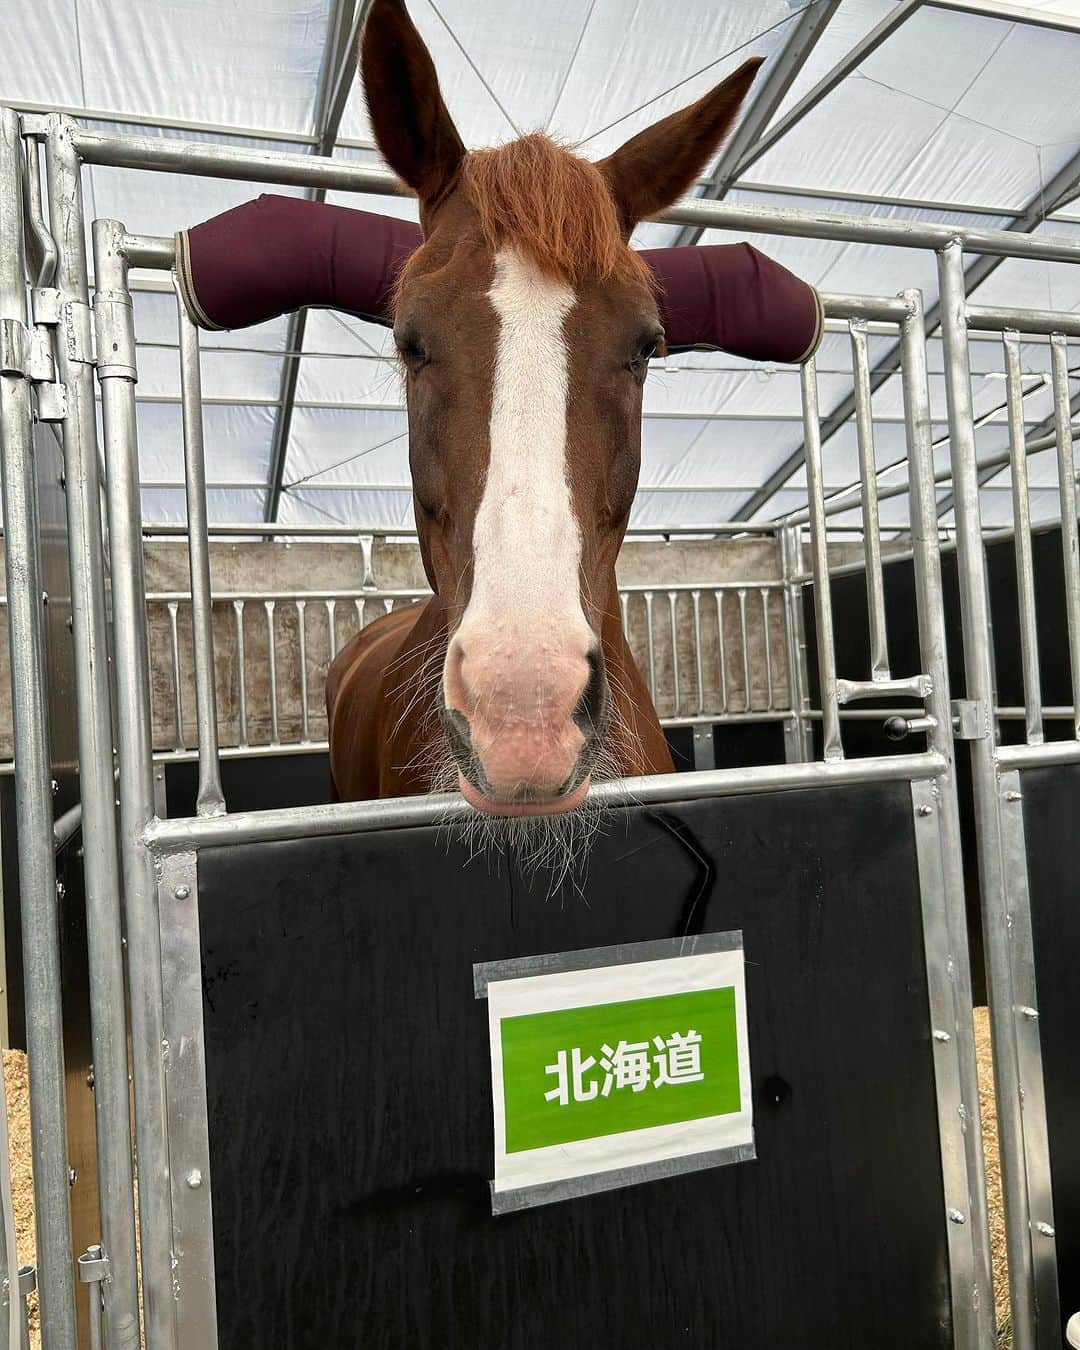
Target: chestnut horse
[(525, 324)]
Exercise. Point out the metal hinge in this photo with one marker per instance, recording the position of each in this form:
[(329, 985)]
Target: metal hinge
[(13, 345), (971, 720), (46, 308)]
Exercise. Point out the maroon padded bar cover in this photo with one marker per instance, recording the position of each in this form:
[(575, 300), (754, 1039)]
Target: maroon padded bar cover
[(275, 254)]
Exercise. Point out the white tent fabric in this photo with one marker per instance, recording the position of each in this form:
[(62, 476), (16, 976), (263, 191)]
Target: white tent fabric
[(961, 117)]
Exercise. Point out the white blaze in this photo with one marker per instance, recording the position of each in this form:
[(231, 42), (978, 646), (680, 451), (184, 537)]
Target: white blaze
[(526, 540)]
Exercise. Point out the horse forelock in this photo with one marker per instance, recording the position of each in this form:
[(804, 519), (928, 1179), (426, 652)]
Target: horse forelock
[(555, 207)]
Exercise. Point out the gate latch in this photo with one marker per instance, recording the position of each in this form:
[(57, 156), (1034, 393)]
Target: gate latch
[(971, 720)]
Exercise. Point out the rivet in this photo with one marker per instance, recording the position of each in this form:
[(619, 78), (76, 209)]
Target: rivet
[(956, 1217), (73, 1176), (1012, 796), (194, 1179), (942, 1036), (55, 787), (1046, 1229), (926, 810), (181, 892), (90, 1077), (61, 890), (1030, 1013)]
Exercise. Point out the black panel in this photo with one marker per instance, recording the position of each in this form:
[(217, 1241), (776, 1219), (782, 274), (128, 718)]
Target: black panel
[(1051, 815), (258, 783), (350, 1099)]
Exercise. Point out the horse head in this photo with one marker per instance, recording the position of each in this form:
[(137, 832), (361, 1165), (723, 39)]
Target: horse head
[(525, 324)]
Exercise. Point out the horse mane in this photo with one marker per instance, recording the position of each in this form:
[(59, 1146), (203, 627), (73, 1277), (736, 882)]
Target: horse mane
[(554, 206)]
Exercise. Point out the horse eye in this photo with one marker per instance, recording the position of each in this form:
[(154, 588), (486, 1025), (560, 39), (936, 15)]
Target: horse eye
[(411, 349), (644, 354)]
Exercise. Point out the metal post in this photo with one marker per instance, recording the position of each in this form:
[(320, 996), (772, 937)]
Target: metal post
[(798, 734), (33, 794), (1059, 359), (945, 920), (135, 755), (1025, 574), (210, 800), (864, 425), (830, 711), (978, 669)]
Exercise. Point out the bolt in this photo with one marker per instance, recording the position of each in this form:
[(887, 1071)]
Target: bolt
[(73, 1176), (181, 892), (90, 1077), (926, 810), (956, 1217), (1030, 1013), (194, 1178), (942, 1036), (44, 597), (1012, 796), (55, 787), (61, 890), (1046, 1229)]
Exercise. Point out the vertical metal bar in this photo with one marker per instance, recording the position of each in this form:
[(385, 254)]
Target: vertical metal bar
[(271, 654), (359, 606), (651, 644), (978, 668), (944, 911), (174, 643), (301, 628), (830, 708), (721, 649), (331, 606), (241, 672), (136, 790), (94, 717), (798, 734), (864, 426), (1025, 572), (624, 610), (676, 694), (744, 639), (210, 800), (116, 372), (768, 647), (27, 1285), (695, 597), (33, 772), (1059, 360)]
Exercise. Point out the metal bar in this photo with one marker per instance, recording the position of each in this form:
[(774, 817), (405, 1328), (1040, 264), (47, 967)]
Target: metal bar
[(914, 686), (875, 585), (33, 774), (650, 643), (765, 101), (1036, 322), (1025, 574), (798, 737), (241, 673), (211, 798), (167, 836), (721, 650), (744, 642), (833, 748), (672, 596), (1009, 13), (959, 1123), (27, 1285), (262, 166), (979, 685), (763, 591), (331, 606), (695, 597), (1032, 756), (92, 697), (174, 643), (1070, 536), (271, 655), (301, 628), (343, 531), (136, 791)]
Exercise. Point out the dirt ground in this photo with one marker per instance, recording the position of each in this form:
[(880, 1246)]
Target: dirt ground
[(22, 1181)]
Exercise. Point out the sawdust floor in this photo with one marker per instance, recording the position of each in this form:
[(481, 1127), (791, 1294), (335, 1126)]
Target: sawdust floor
[(22, 1182)]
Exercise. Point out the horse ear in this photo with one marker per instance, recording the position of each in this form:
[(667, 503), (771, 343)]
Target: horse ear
[(412, 127), (658, 165)]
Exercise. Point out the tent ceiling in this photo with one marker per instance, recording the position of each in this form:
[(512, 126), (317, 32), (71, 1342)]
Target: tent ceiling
[(955, 116)]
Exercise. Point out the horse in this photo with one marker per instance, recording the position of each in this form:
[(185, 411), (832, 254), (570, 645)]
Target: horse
[(524, 324)]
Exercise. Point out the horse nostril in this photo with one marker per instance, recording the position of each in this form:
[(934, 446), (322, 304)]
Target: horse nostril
[(591, 710), (457, 731)]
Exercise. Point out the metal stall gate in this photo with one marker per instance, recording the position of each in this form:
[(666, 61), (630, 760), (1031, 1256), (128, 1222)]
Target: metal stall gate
[(886, 824)]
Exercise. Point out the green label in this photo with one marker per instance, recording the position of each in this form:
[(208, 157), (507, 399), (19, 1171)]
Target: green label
[(581, 1073)]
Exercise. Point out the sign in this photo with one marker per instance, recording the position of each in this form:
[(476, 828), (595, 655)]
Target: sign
[(616, 1065)]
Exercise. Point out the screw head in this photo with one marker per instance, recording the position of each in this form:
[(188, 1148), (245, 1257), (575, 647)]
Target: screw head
[(182, 892), (956, 1217), (942, 1036), (194, 1178), (1012, 796), (55, 787), (925, 810), (61, 890), (1046, 1229), (73, 1176)]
